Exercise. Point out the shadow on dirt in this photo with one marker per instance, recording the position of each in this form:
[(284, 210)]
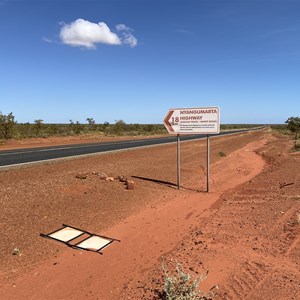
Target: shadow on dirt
[(160, 182), (167, 184)]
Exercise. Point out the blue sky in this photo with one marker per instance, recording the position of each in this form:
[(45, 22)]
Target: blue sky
[(135, 59)]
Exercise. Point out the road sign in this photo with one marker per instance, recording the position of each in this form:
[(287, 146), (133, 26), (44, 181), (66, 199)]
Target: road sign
[(204, 120)]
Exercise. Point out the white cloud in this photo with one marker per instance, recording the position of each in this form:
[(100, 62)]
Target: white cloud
[(47, 40), (83, 33), (121, 27), (127, 37), (130, 40)]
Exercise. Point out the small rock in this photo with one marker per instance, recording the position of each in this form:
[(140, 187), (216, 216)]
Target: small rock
[(16, 251), (130, 184), (102, 176), (109, 179), (81, 176), (122, 178)]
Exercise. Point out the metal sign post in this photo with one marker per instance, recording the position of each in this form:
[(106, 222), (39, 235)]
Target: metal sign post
[(207, 162), (178, 161)]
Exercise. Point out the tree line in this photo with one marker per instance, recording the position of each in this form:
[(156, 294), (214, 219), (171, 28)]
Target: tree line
[(10, 128)]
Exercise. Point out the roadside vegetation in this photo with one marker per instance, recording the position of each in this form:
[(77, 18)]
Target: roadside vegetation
[(293, 124), (11, 129), (291, 128), (182, 286), (225, 127)]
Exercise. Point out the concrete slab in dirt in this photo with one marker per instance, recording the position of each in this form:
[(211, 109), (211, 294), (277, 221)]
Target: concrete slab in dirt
[(66, 234), (80, 239), (94, 243)]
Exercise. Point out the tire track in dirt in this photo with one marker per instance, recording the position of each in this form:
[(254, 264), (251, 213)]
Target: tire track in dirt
[(277, 233), (276, 236), (252, 274)]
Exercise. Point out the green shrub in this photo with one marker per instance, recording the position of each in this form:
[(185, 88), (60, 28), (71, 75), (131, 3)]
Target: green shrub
[(7, 123), (293, 124), (181, 286), (222, 154)]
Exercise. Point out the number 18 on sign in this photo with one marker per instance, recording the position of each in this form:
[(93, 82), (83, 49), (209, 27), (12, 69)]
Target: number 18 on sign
[(204, 120)]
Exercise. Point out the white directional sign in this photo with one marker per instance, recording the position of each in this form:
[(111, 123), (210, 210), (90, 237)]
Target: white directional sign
[(204, 120)]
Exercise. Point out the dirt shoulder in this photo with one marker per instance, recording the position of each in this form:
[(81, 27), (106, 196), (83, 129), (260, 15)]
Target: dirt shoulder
[(40, 198), (249, 239)]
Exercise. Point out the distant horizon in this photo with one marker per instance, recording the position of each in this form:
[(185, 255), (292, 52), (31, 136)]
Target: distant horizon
[(86, 123), (134, 60)]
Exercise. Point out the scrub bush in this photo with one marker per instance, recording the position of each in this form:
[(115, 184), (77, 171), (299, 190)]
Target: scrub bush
[(181, 286)]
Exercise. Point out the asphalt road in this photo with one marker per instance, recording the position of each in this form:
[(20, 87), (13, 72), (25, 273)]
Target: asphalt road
[(24, 156)]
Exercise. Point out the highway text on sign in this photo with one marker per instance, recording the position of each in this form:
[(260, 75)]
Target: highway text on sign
[(204, 120)]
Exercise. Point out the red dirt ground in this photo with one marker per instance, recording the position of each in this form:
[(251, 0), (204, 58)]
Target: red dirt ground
[(245, 231)]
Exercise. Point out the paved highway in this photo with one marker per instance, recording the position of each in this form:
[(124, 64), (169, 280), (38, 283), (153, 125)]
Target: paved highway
[(24, 156)]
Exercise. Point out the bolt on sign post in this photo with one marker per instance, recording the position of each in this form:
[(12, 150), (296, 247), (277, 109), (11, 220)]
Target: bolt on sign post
[(203, 120)]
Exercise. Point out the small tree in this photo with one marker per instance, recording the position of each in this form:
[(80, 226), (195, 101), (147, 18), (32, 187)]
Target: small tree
[(7, 123), (78, 127), (294, 126), (38, 126), (92, 123), (119, 127), (71, 127)]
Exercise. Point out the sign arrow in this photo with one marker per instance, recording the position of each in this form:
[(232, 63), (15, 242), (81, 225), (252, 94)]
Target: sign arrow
[(167, 124)]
